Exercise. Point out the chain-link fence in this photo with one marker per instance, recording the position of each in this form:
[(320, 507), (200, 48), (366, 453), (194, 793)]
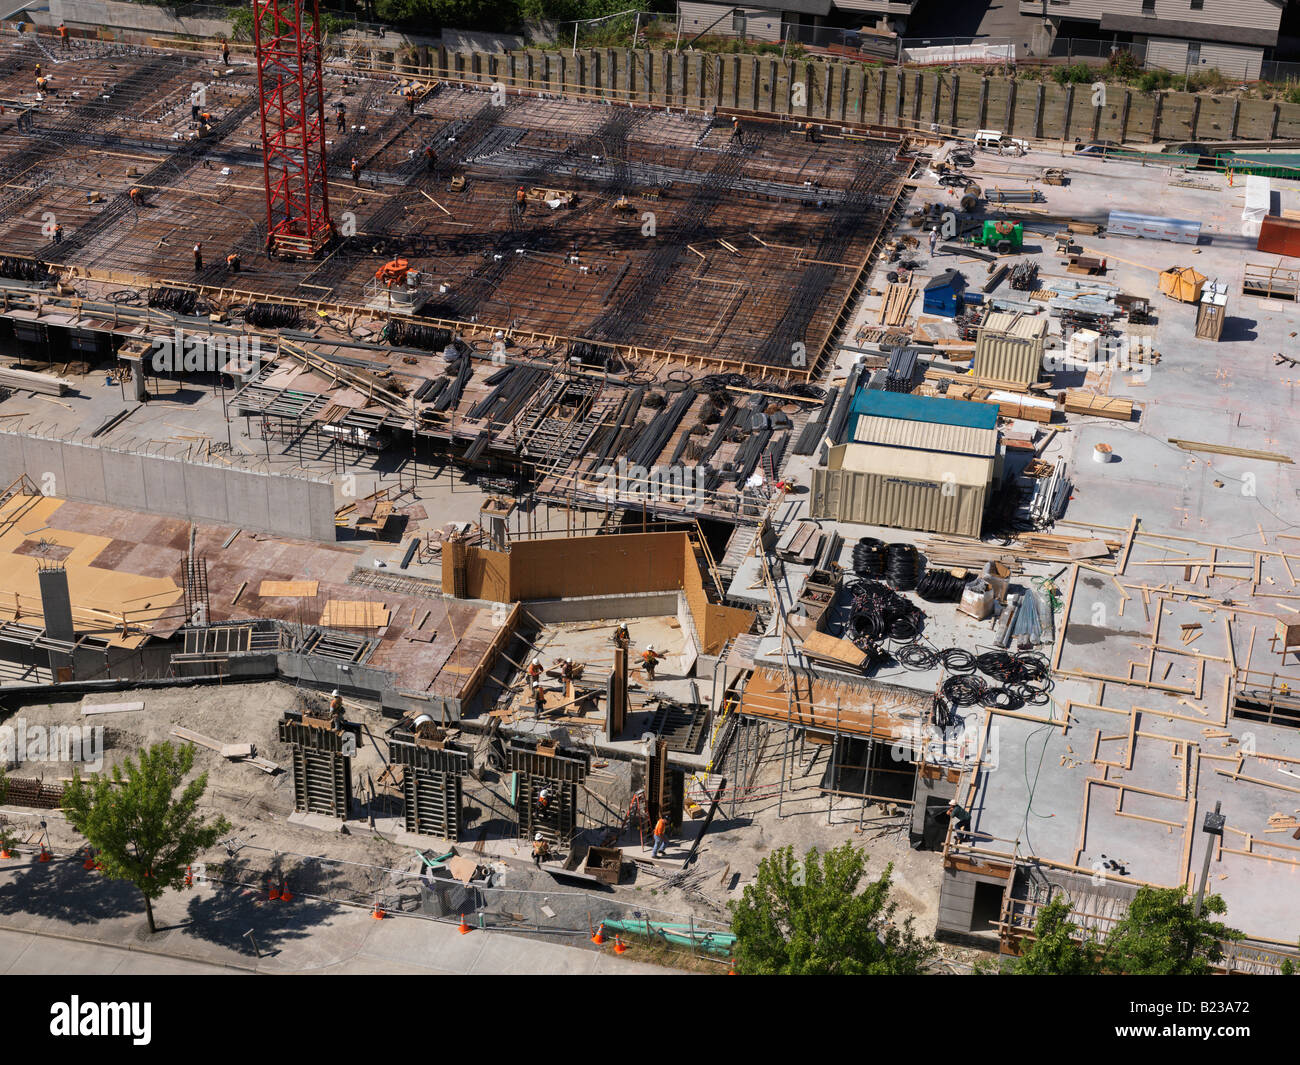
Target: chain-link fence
[(624, 29)]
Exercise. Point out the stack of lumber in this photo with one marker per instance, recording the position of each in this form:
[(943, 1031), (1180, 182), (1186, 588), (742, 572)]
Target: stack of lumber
[(1010, 405), (959, 552), (825, 648), (800, 543), (27, 381), (1080, 402), (897, 304)]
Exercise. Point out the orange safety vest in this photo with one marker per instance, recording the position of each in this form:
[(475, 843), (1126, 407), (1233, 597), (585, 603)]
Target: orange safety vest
[(661, 827)]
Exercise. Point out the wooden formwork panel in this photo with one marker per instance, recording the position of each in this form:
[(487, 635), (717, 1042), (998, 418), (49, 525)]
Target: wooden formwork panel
[(434, 803)]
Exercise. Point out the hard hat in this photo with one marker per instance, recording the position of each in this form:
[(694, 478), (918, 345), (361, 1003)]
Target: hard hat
[(649, 647), (538, 836), (568, 661), (536, 685), (537, 661), (334, 692)]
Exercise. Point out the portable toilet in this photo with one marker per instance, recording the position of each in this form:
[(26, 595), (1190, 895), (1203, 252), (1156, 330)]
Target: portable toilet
[(943, 295)]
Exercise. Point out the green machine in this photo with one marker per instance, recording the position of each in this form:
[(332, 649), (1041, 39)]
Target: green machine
[(1001, 237)]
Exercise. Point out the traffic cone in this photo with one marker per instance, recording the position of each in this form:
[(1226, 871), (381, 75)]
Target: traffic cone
[(189, 876), (89, 863), (731, 967), (599, 937), (285, 894), (45, 855), (272, 892), (5, 853), (377, 913), (619, 946), (464, 928)]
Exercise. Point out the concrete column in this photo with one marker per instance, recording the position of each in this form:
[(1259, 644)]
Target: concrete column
[(1124, 113), (1196, 113), (735, 81), (611, 75), (844, 92), (809, 82), (1277, 114), (1236, 115), (1039, 96), (772, 73), (1008, 124), (717, 80), (1159, 111), (982, 119), (934, 103), (530, 74), (582, 73), (880, 98), (918, 90), (900, 90), (1069, 107), (562, 73), (475, 60), (648, 75), (956, 93), (755, 77), (442, 61), (596, 83), (789, 89), (828, 91), (1096, 122)]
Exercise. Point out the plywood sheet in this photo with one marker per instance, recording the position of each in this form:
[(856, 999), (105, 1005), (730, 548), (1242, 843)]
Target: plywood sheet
[(354, 614), (274, 588)]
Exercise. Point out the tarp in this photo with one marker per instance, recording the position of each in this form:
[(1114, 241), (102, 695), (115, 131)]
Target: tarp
[(1259, 198), (1182, 283), (961, 53)]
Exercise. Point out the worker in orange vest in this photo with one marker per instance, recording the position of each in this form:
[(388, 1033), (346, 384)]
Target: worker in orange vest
[(661, 837), (541, 849), (232, 262), (521, 197), (539, 707), (63, 35), (356, 171), (649, 659), (535, 670), (137, 197)]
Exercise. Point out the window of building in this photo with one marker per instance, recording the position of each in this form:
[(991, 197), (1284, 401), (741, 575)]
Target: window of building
[(1194, 53), (1148, 7), (738, 22), (1198, 5)]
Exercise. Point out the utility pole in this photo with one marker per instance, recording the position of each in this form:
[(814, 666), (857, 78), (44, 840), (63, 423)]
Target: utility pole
[(1213, 827)]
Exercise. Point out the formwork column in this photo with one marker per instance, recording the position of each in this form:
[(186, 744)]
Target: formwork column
[(771, 86), (828, 91), (809, 81), (582, 73), (956, 93), (717, 80), (900, 90), (1096, 121), (475, 63), (1039, 97), (611, 75), (1069, 108), (844, 92), (647, 75), (880, 98), (442, 61), (1008, 124), (735, 81), (934, 103), (984, 103), (1236, 115), (562, 74), (1196, 114), (1159, 110), (1123, 117), (596, 83), (754, 76), (530, 82), (918, 90)]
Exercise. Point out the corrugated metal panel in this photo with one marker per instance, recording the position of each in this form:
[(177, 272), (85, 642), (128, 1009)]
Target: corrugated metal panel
[(1000, 357), (897, 502), (1128, 224), (1279, 236), (925, 436)]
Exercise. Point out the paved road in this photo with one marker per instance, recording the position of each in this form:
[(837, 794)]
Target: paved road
[(29, 954)]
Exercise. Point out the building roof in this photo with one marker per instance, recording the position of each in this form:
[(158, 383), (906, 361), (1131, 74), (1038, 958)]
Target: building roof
[(1192, 31), (931, 467), (1013, 324), (933, 409), (925, 436)]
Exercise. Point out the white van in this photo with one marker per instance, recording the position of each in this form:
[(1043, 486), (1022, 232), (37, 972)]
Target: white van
[(994, 140)]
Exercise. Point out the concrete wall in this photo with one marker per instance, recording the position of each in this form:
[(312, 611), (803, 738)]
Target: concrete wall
[(135, 19), (222, 495)]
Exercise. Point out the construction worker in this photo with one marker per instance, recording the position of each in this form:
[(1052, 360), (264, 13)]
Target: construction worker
[(356, 171), (410, 100), (934, 240), (205, 124), (341, 117), (543, 800), (63, 36), (621, 636), (566, 669), (58, 232), (137, 196), (649, 659), (521, 198), (535, 671), (736, 133), (232, 262), (198, 256), (430, 158), (194, 112), (42, 83), (38, 70), (541, 850), (539, 700), (225, 53), (661, 837)]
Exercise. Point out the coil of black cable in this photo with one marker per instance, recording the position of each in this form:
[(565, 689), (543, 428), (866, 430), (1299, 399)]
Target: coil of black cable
[(902, 566), (957, 660), (939, 586), (914, 656), (964, 691), (1002, 698), (869, 557)]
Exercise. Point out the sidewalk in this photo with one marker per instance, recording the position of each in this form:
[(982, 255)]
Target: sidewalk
[(206, 925)]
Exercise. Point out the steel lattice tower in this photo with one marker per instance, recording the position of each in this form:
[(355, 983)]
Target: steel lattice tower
[(292, 103)]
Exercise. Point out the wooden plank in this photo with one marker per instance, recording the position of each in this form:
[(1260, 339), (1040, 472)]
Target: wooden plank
[(277, 588), (354, 614), (111, 708), (1237, 452)]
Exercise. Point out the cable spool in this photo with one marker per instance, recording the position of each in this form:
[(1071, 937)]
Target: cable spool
[(902, 566), (869, 557)]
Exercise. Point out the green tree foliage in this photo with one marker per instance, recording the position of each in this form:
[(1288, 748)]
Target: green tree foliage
[(145, 832), (1158, 936), (1054, 950), (809, 918)]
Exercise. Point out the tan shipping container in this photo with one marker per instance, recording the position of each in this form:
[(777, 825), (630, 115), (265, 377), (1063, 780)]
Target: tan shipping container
[(1009, 348)]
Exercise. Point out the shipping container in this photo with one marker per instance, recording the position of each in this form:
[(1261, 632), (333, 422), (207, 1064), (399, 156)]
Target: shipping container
[(1009, 348), (1279, 236), (920, 490)]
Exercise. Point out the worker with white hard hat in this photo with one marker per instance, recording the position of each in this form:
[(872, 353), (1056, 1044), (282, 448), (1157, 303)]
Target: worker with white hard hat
[(541, 850), (649, 659), (621, 636), (535, 670)]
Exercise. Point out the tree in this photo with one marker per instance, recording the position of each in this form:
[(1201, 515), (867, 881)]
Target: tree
[(808, 918), (1054, 950), (145, 833), (1159, 936)]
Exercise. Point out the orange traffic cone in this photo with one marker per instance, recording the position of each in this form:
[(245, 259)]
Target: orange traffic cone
[(285, 894), (45, 855), (464, 928), (731, 967), (5, 853), (189, 877), (377, 913), (619, 946), (272, 892), (599, 937)]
